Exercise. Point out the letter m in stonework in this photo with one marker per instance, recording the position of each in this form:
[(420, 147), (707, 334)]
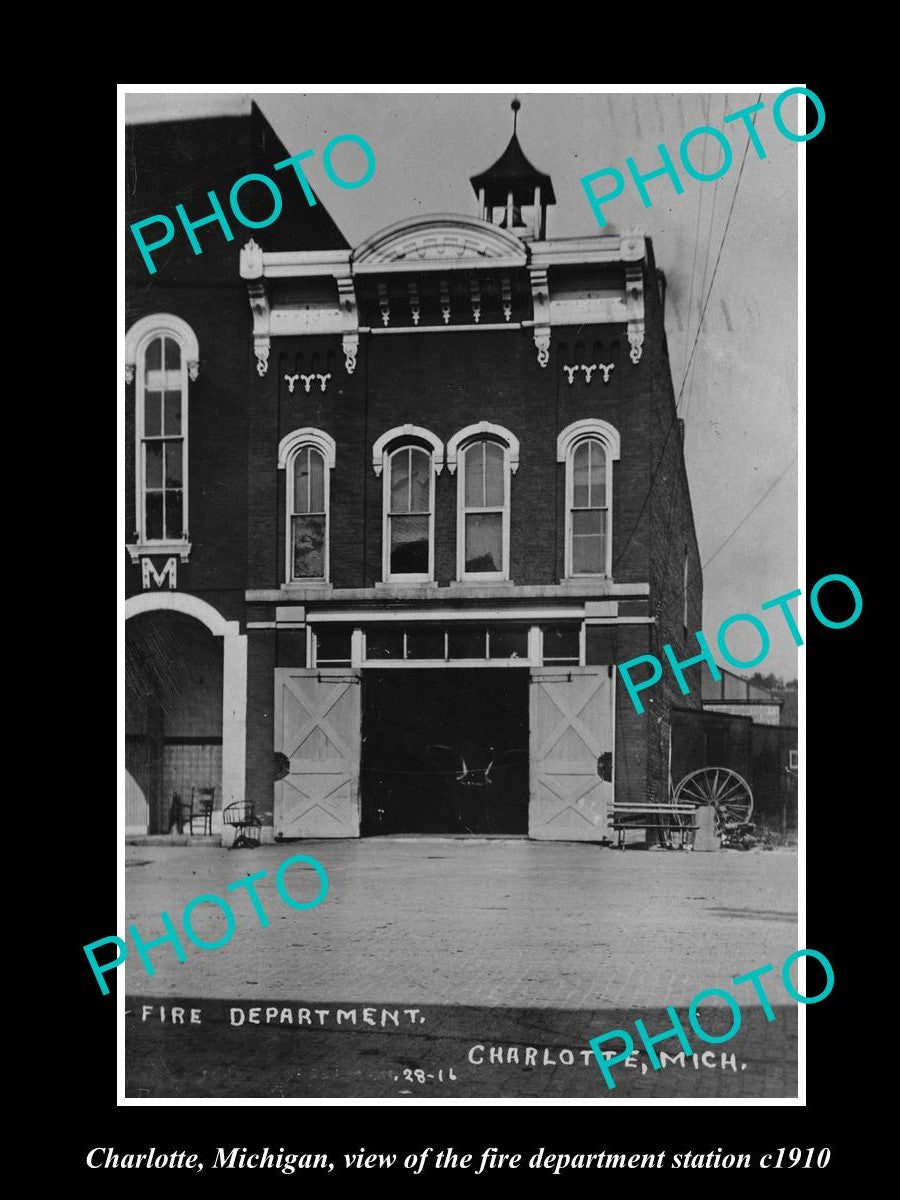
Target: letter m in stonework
[(148, 572)]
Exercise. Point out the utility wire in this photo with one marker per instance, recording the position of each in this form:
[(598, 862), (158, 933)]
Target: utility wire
[(712, 281), (748, 515), (700, 195), (718, 258)]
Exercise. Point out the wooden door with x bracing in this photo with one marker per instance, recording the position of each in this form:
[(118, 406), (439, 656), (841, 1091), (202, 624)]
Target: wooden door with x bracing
[(317, 728), (572, 725)]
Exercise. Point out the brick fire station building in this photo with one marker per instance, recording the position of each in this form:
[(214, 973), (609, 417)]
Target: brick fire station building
[(390, 522)]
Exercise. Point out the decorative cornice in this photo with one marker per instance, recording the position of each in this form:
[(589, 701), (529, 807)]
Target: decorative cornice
[(605, 248), (446, 244)]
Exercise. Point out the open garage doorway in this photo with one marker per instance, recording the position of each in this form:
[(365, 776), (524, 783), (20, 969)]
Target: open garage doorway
[(173, 717), (445, 751)]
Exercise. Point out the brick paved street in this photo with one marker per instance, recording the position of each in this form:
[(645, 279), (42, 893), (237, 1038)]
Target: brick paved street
[(575, 938)]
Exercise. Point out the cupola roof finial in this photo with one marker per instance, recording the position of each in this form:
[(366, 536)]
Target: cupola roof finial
[(512, 172)]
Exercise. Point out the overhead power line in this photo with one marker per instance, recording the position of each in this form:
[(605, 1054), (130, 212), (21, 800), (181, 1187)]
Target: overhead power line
[(712, 281), (748, 515), (718, 259)]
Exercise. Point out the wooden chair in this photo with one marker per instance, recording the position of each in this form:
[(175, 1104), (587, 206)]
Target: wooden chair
[(242, 816), (203, 801), (198, 810)]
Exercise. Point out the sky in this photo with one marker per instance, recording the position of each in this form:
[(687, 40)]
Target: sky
[(739, 396)]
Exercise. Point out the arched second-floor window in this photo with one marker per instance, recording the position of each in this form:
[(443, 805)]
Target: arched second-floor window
[(408, 458), (307, 456), (161, 355), (588, 448), (486, 457)]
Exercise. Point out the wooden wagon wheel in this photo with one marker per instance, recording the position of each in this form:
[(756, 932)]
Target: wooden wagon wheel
[(721, 787)]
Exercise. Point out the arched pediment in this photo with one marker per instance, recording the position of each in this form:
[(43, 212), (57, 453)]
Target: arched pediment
[(446, 240), (590, 427), (401, 433), (157, 325), (307, 437), (483, 429)]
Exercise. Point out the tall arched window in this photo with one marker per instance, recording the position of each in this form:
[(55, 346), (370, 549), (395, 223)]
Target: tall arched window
[(588, 448), (410, 513), (409, 458), (161, 354), (307, 456), (486, 455), (589, 508)]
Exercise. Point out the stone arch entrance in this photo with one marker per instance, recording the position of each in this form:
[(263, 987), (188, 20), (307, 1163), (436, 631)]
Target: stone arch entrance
[(174, 666)]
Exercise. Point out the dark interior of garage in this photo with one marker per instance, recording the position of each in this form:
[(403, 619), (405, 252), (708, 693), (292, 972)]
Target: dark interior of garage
[(445, 751)]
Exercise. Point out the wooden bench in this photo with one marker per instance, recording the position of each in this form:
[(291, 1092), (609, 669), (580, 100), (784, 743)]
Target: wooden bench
[(674, 818)]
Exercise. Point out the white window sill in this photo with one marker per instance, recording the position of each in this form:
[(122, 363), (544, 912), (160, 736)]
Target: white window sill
[(138, 550), (482, 581), (406, 583)]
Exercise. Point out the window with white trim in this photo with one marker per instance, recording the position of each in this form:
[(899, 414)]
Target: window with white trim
[(487, 456), (161, 354), (484, 516), (588, 448), (307, 456), (308, 513), (409, 516), (588, 508), (163, 441)]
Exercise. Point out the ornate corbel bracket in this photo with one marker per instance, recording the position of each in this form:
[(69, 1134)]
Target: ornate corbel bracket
[(475, 297), (542, 343), (634, 306), (261, 348), (414, 305), (444, 291), (259, 308), (506, 297), (540, 296), (384, 303), (350, 318)]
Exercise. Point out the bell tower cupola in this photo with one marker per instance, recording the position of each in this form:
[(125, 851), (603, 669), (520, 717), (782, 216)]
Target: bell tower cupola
[(513, 194)]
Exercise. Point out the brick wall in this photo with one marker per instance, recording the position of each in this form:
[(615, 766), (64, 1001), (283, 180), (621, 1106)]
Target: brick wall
[(672, 535), (445, 382)]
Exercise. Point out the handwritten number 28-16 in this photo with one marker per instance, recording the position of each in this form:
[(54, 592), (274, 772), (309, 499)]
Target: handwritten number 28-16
[(419, 1076)]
